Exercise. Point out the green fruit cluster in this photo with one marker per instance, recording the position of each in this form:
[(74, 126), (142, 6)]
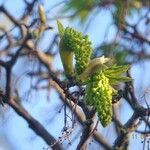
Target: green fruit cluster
[(99, 95), (81, 46)]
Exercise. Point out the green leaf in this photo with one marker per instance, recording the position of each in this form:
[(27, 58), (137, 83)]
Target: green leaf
[(60, 28), (116, 70), (114, 80)]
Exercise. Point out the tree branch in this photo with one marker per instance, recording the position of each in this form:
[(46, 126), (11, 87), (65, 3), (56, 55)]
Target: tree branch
[(81, 116), (34, 125), (2, 9)]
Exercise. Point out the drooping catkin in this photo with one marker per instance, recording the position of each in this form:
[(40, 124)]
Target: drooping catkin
[(81, 46), (99, 95)]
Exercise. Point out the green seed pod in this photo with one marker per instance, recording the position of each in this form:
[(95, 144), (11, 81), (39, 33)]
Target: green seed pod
[(99, 95), (74, 41)]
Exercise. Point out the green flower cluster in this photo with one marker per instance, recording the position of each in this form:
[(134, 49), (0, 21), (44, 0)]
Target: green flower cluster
[(99, 95), (81, 46), (95, 74), (71, 38)]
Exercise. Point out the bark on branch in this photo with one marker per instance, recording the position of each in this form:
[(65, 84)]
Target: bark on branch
[(35, 125)]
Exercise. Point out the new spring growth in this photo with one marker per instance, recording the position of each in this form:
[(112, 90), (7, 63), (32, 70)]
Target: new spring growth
[(41, 28), (99, 90), (98, 76), (99, 95), (93, 66), (41, 13), (74, 43), (65, 53)]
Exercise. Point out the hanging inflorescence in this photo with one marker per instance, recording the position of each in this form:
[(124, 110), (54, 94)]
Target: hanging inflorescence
[(99, 95), (99, 77), (80, 45)]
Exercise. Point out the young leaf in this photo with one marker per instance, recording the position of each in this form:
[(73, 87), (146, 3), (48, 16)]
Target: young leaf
[(114, 80), (60, 28), (116, 70)]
